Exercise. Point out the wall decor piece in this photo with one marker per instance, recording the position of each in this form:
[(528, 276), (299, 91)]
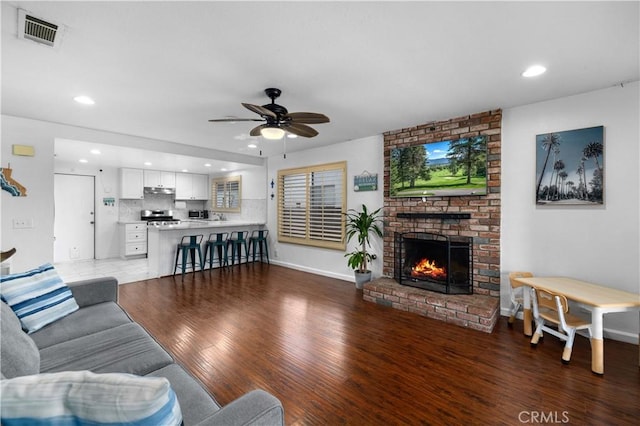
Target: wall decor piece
[(570, 167), (365, 182), (11, 185)]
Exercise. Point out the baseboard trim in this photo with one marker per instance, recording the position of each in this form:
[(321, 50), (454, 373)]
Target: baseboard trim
[(314, 271)]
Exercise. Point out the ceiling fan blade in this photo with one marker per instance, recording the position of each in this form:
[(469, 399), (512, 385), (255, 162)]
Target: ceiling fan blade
[(256, 130), (260, 110), (300, 130), (233, 120), (307, 117)]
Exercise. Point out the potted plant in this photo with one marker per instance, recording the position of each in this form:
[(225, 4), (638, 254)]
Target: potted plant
[(361, 224)]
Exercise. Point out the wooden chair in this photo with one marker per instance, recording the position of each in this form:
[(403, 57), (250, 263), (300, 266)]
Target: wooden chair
[(553, 308), (516, 294)]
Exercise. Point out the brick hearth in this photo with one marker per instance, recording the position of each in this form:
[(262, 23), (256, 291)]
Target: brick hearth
[(476, 311)]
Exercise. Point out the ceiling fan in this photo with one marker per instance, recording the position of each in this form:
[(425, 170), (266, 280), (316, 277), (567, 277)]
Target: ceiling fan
[(278, 120)]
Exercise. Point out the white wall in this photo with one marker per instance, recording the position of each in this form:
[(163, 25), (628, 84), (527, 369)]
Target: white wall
[(35, 245), (596, 244), (361, 154)]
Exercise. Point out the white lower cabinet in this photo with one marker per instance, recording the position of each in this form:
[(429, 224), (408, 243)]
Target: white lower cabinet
[(133, 240)]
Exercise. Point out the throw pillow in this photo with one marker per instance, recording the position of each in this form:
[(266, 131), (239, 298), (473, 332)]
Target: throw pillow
[(38, 297), (83, 397)]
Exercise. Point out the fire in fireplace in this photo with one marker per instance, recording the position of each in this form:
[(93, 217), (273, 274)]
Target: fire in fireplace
[(426, 269), (434, 262)]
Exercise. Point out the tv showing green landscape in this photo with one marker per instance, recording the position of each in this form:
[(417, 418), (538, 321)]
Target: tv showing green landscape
[(450, 168)]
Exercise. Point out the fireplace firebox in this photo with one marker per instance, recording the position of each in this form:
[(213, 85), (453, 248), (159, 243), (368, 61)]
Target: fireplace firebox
[(434, 262)]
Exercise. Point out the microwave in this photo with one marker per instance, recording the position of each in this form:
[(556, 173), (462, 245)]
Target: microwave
[(198, 214)]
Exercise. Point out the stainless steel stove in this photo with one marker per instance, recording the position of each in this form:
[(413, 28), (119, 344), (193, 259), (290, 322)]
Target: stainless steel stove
[(158, 217)]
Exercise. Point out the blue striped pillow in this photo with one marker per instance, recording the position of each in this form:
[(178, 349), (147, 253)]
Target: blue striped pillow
[(38, 297), (83, 397)]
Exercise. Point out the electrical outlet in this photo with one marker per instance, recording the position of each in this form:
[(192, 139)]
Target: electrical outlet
[(22, 223)]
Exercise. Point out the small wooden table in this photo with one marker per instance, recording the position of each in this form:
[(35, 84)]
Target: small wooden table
[(598, 299)]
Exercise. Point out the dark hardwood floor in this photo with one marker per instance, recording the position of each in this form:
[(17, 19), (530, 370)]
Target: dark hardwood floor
[(332, 358)]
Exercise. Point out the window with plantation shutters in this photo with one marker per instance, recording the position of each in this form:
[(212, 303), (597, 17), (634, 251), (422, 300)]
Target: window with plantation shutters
[(311, 203), (226, 194)]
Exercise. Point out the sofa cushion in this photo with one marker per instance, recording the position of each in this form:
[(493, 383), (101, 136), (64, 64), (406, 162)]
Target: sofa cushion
[(85, 321), (38, 297), (19, 354), (123, 349), (83, 397), (195, 402)]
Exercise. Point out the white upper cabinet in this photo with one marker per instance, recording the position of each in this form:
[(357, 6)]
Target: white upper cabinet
[(131, 184), (159, 179), (200, 187), (191, 186)]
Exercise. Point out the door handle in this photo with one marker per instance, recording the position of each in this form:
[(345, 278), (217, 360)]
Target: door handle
[(92, 222)]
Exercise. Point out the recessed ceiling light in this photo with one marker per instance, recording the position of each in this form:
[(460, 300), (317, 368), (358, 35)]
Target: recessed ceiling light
[(83, 160), (184, 170), (84, 100), (95, 151), (207, 165), (252, 145), (147, 163), (534, 71), (223, 169)]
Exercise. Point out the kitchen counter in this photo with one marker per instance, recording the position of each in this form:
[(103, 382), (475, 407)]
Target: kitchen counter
[(162, 240), (206, 224)]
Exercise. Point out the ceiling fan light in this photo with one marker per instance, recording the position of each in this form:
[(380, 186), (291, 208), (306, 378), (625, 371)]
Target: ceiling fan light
[(272, 133)]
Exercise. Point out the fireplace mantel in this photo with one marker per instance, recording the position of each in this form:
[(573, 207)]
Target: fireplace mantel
[(434, 215)]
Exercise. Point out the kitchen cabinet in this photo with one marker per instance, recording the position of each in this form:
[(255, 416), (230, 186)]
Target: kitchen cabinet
[(159, 179), (191, 186), (133, 240), (131, 184)]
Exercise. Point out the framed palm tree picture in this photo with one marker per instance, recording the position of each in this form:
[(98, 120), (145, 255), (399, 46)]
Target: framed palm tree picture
[(570, 167)]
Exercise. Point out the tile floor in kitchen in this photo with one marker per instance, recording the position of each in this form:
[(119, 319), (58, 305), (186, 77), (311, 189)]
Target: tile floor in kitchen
[(125, 271)]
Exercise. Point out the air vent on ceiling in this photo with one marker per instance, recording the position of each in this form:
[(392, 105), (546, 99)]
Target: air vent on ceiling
[(38, 30)]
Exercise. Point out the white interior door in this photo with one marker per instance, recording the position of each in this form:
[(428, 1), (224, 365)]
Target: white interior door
[(74, 224)]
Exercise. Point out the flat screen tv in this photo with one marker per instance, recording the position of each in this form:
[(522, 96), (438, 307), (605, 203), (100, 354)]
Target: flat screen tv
[(456, 167)]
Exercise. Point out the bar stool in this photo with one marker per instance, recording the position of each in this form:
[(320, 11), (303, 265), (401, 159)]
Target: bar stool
[(237, 240), (259, 238), (189, 244), (218, 241)]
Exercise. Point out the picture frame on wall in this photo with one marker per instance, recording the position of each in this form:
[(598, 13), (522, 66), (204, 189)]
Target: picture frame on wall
[(570, 167)]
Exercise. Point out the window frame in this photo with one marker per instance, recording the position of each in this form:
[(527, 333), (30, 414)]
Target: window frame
[(339, 196), (226, 183)]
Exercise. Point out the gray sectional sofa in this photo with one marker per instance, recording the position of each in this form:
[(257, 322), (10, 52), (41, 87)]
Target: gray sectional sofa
[(102, 338)]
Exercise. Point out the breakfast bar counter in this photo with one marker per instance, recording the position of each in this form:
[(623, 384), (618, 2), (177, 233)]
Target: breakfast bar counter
[(163, 239)]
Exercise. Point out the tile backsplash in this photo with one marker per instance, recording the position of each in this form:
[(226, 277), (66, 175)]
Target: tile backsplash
[(129, 210)]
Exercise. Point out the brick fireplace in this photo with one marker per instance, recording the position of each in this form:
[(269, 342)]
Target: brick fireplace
[(475, 217)]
